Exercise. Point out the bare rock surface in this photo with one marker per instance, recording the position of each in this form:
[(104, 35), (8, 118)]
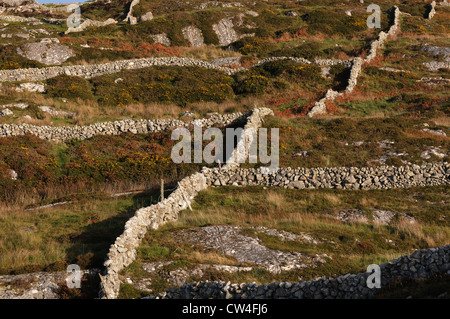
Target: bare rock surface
[(194, 35), (161, 39), (46, 52), (230, 241), (225, 31)]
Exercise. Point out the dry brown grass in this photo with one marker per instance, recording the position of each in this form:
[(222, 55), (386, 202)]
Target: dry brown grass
[(207, 257), (207, 53), (412, 230), (442, 121)]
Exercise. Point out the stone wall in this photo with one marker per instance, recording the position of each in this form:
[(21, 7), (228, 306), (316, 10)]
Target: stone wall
[(129, 15), (424, 263), (320, 107), (60, 134), (382, 177), (432, 11), (123, 252), (89, 71), (92, 70), (254, 121)]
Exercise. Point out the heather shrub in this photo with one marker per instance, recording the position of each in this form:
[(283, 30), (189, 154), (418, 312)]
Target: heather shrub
[(253, 45), (69, 87), (102, 10), (331, 22), (253, 83), (178, 85), (270, 23), (419, 9), (290, 70), (308, 50)]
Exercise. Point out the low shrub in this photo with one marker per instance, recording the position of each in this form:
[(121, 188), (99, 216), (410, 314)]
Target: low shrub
[(69, 87), (178, 85), (254, 83), (331, 22), (254, 46)]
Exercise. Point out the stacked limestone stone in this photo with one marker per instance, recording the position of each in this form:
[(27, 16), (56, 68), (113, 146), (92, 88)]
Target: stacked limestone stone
[(432, 11), (424, 263), (93, 70), (89, 71), (254, 121), (320, 107), (379, 42), (60, 134), (383, 177), (123, 252)]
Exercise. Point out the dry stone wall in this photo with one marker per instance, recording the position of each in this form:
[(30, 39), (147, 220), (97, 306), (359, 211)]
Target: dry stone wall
[(254, 121), (61, 134), (92, 70), (382, 177), (424, 263), (89, 71), (320, 107), (432, 11), (123, 252)]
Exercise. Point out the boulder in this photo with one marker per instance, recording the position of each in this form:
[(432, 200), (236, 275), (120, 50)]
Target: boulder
[(46, 52)]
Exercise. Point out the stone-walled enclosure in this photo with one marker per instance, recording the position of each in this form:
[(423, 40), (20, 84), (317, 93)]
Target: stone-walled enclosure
[(424, 263), (123, 252), (420, 264), (320, 107)]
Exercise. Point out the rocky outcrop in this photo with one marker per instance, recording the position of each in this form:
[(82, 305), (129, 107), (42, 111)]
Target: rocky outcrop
[(48, 51), (146, 17), (16, 3), (436, 51), (194, 35), (225, 31), (425, 263), (31, 87), (42, 285), (249, 249), (90, 23), (161, 39)]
